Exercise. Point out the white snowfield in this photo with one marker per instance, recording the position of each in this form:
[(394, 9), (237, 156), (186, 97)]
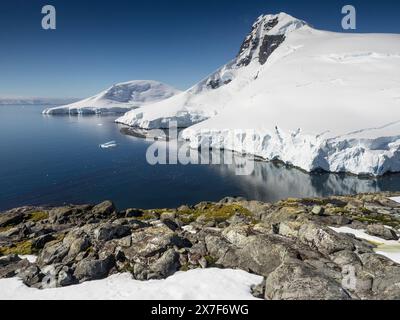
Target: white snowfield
[(120, 98), (310, 98), (201, 284)]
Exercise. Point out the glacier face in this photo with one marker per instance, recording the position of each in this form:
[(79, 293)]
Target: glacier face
[(310, 98), (120, 98), (375, 155)]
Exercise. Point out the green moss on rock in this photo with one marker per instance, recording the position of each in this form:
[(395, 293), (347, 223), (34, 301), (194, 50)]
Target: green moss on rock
[(212, 212), (211, 261), (38, 216), (184, 267), (381, 219), (22, 248)]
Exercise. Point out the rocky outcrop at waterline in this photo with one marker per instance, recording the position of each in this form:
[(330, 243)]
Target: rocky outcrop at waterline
[(289, 243)]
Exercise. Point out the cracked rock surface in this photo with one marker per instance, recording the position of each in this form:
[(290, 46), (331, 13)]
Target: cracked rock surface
[(289, 243)]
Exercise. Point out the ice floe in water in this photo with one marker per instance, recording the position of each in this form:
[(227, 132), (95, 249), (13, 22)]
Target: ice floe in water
[(107, 145)]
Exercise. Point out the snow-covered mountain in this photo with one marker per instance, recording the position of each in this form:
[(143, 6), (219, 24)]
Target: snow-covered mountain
[(311, 98), (120, 98)]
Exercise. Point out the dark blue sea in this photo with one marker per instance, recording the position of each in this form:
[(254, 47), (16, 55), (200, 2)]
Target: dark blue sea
[(53, 160)]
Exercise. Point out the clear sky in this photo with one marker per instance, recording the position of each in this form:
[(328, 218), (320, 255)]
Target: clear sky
[(98, 43)]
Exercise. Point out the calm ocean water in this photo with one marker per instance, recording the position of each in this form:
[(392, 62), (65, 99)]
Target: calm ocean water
[(55, 160)]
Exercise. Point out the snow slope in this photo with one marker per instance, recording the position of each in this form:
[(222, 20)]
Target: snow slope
[(310, 98), (200, 284), (120, 98)]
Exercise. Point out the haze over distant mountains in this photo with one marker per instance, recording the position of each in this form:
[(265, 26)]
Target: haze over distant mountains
[(35, 101)]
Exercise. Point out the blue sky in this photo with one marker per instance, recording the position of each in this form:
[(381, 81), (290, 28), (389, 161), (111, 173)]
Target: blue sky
[(98, 43)]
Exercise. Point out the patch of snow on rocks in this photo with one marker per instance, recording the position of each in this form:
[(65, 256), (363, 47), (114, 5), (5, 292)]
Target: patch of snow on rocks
[(387, 248), (30, 258), (199, 284)]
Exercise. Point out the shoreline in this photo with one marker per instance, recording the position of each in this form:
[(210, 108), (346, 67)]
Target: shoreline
[(147, 134), (79, 243)]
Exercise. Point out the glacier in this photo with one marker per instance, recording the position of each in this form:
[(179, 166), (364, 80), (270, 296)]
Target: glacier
[(314, 99), (119, 98)]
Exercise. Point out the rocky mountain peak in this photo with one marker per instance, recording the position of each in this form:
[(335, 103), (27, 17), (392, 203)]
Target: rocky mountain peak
[(267, 33), (281, 23)]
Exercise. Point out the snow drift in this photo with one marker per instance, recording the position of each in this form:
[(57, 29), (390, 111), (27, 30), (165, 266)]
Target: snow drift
[(207, 284), (310, 98), (120, 98)]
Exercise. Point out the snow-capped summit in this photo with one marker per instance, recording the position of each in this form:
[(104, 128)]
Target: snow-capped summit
[(119, 98), (311, 98), (267, 33)]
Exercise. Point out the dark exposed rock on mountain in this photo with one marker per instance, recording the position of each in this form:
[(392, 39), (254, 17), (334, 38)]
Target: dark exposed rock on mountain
[(268, 46), (259, 42)]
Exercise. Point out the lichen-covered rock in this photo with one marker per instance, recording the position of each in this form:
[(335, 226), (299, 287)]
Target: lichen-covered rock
[(237, 234), (386, 285), (345, 258), (324, 239), (318, 210), (11, 265), (382, 231), (283, 213), (150, 241), (77, 246), (165, 266), (13, 218), (61, 214), (295, 281), (40, 242), (31, 275), (65, 277), (217, 246), (108, 232), (53, 252), (260, 254), (289, 243), (105, 208), (93, 269), (289, 229), (6, 260)]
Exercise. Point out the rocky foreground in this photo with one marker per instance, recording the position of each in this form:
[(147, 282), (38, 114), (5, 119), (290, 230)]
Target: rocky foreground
[(289, 243)]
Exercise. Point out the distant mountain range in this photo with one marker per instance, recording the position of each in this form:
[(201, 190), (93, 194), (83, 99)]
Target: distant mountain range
[(119, 98), (36, 101)]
